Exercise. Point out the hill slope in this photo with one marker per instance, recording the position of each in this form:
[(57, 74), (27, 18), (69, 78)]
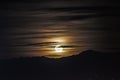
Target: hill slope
[(87, 65)]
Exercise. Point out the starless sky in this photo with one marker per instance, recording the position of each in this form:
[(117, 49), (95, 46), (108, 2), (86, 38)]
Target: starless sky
[(34, 28)]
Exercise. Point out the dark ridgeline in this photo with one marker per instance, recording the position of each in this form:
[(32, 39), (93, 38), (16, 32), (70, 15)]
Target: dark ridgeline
[(89, 65)]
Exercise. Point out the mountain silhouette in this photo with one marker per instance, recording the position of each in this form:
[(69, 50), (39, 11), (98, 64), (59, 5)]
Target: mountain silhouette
[(88, 65)]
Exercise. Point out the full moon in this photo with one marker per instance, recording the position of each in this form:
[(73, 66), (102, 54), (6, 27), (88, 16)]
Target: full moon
[(58, 48)]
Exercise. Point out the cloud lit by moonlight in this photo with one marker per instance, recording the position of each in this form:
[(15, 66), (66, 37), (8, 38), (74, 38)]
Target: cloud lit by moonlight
[(58, 48)]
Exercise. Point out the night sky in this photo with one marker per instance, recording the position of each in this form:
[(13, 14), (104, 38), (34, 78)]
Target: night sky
[(34, 28)]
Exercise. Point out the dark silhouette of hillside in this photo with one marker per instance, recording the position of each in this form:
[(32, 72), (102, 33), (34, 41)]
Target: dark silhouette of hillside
[(88, 65)]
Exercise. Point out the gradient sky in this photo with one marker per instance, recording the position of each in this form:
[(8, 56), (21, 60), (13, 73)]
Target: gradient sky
[(34, 28)]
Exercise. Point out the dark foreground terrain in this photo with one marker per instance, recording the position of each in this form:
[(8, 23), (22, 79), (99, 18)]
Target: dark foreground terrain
[(89, 65)]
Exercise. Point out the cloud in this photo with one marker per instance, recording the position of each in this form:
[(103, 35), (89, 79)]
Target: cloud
[(82, 23), (39, 44)]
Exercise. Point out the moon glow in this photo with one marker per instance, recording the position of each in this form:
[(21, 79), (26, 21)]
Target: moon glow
[(58, 48)]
